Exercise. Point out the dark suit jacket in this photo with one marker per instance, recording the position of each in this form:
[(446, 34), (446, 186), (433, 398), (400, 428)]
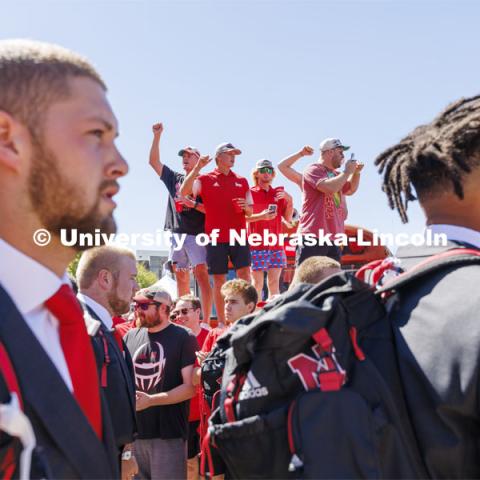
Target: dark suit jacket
[(120, 389), (66, 441), (437, 330)]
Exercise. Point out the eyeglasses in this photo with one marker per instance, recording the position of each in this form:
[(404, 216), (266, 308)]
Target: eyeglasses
[(183, 311), (144, 305), (265, 170)]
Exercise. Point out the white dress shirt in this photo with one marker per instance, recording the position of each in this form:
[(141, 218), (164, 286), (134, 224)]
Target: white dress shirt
[(100, 310), (460, 234), (29, 285)]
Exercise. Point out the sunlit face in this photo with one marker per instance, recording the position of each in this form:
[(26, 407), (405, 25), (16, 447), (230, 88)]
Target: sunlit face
[(235, 307), (124, 286), (226, 159), (152, 316), (264, 177), (189, 159), (75, 164), (186, 315), (336, 157)]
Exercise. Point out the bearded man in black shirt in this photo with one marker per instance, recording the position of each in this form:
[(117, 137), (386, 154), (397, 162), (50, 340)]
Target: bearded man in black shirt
[(163, 356)]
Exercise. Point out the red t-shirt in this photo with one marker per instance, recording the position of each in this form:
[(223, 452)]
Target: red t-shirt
[(194, 406), (211, 339), (321, 210), (217, 191), (261, 200)]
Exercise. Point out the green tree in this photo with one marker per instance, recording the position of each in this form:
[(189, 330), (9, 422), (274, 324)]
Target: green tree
[(72, 266), (145, 277)]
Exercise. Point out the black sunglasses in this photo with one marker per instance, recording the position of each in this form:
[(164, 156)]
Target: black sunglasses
[(182, 311), (144, 305)]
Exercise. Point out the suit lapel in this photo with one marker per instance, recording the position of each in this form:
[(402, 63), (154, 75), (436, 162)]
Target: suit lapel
[(45, 392), (116, 351)]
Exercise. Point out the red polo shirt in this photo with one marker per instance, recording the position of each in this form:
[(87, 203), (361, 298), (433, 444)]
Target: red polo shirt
[(217, 191), (261, 200)]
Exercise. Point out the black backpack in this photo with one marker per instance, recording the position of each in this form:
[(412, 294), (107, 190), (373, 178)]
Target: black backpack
[(311, 387)]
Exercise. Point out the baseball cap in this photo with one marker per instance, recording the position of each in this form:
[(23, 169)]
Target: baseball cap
[(331, 143), (263, 163), (153, 293), (227, 147), (189, 150)]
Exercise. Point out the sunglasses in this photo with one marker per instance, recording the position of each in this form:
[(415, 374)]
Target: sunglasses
[(183, 311), (144, 305), (265, 170)]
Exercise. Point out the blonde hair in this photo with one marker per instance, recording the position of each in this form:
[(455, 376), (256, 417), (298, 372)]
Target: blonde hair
[(315, 269), (241, 287), (255, 177), (96, 259), (33, 75)]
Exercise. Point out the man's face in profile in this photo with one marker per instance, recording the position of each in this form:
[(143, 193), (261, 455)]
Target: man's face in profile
[(74, 162)]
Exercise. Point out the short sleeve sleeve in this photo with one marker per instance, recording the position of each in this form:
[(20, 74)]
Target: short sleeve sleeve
[(190, 346), (313, 174)]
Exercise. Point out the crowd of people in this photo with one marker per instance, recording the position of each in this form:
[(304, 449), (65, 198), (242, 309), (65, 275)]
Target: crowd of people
[(87, 394)]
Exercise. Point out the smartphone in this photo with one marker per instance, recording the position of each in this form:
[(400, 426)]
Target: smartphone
[(272, 208), (352, 156)]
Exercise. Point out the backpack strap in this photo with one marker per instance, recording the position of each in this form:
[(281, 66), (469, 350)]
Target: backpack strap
[(449, 258)]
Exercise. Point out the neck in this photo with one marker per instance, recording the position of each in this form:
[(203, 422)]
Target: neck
[(97, 297), (223, 169), (265, 185), (161, 326), (197, 329), (53, 256), (448, 209)]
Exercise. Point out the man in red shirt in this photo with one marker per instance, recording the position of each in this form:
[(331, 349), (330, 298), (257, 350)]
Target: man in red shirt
[(324, 208), (187, 313), (227, 200), (270, 205)]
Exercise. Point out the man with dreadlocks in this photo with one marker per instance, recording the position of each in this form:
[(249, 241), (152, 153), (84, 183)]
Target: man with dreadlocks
[(436, 322)]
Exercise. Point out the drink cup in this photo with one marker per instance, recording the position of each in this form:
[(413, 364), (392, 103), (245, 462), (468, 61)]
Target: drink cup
[(178, 206)]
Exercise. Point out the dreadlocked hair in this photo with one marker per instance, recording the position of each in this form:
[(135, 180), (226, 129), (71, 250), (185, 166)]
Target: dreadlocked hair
[(433, 157)]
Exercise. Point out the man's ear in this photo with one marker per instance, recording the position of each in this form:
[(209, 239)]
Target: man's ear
[(105, 279), (13, 139), (251, 307)]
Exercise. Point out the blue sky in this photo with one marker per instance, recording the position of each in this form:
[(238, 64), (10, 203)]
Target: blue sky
[(269, 76)]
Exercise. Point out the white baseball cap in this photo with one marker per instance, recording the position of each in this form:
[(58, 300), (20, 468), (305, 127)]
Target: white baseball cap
[(331, 143), (227, 147)]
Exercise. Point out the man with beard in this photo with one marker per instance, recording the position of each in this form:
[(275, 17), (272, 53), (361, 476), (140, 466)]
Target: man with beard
[(324, 208), (184, 216), (106, 278), (227, 201), (59, 167), (163, 357)]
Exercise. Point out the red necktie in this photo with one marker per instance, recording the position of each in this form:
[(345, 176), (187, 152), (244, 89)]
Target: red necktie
[(78, 352)]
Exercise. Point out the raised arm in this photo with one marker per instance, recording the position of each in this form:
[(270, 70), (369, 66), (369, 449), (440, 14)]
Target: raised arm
[(286, 165), (155, 161), (354, 179), (187, 185), (335, 184)]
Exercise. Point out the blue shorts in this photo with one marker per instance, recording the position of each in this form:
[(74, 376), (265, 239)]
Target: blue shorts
[(267, 259), (189, 256)]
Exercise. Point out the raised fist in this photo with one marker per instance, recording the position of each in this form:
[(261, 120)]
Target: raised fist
[(157, 129), (306, 150)]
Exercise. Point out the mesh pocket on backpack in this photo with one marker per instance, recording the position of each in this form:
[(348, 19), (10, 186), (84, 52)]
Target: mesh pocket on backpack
[(254, 447)]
